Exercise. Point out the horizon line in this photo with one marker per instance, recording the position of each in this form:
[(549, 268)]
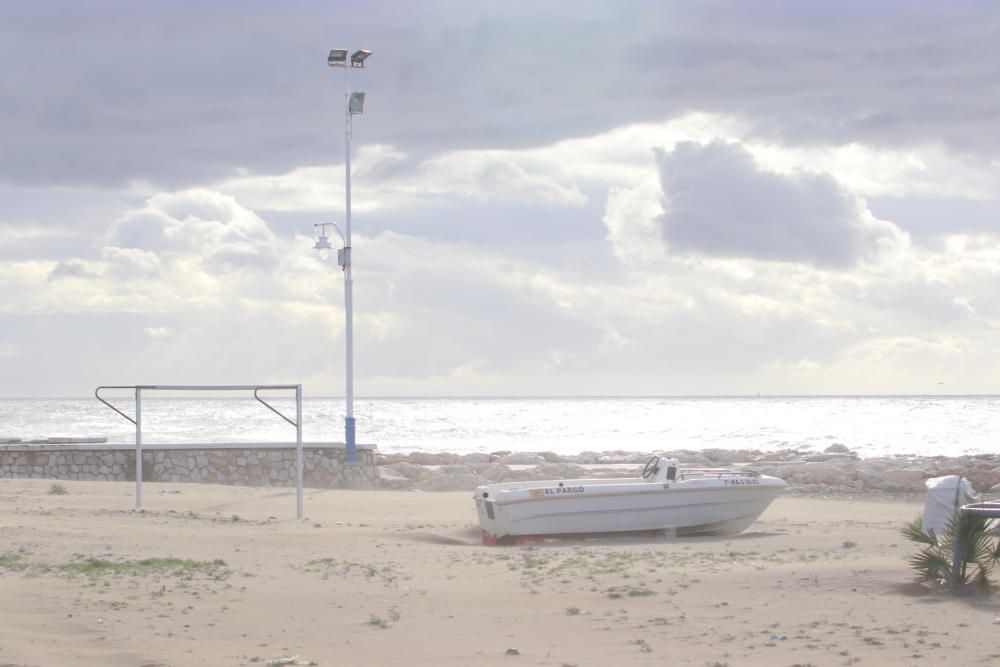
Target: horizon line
[(542, 396)]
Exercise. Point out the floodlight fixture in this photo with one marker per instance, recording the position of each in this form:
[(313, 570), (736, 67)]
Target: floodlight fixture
[(356, 104), (337, 58), (358, 57)]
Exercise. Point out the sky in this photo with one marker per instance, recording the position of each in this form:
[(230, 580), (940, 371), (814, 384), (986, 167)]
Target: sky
[(549, 198)]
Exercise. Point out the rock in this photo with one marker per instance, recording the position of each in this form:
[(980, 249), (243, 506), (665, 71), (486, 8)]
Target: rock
[(831, 458), (512, 651), (520, 458), (476, 457), (458, 469), (559, 471), (982, 480), (722, 455), (837, 448), (874, 481), (609, 473), (431, 458), (620, 456), (395, 482), (404, 469), (441, 481), (522, 475), (907, 479), (495, 473), (816, 473)]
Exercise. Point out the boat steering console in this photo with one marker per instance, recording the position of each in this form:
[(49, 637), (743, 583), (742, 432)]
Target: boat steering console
[(655, 465)]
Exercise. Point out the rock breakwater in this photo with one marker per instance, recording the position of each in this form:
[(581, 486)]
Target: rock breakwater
[(834, 471)]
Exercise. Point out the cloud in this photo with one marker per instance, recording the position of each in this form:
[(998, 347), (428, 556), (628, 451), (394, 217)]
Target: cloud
[(73, 268), (180, 95), (440, 316), (631, 217), (130, 263), (195, 223), (489, 195), (451, 179), (159, 332), (719, 202)]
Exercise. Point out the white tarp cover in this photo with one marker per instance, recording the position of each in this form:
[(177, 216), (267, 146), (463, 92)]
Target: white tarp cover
[(944, 496)]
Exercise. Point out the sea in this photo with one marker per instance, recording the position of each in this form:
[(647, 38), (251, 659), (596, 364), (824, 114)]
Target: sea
[(869, 425)]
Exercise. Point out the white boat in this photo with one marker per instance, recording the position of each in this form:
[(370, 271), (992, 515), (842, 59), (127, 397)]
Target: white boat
[(691, 501)]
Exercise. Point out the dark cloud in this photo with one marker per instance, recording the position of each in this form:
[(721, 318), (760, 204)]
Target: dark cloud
[(72, 268), (183, 93), (144, 229), (719, 202)]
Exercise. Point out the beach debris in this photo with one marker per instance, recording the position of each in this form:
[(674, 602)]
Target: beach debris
[(512, 651), (285, 660)]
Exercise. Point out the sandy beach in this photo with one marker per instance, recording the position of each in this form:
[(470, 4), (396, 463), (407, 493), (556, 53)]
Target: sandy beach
[(220, 575)]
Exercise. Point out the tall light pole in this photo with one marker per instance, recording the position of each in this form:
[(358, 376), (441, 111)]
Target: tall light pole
[(353, 104)]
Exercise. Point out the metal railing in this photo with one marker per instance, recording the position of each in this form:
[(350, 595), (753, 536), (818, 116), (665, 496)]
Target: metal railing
[(255, 388)]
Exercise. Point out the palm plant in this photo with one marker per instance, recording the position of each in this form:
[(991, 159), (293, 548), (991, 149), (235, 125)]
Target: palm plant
[(978, 552)]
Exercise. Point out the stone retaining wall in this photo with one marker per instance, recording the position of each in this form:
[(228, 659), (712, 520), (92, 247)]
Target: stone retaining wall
[(244, 465)]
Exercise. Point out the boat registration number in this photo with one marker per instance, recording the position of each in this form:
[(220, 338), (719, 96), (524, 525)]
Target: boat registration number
[(741, 481), (557, 491)]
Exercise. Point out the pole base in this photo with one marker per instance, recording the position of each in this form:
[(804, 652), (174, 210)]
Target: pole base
[(351, 454)]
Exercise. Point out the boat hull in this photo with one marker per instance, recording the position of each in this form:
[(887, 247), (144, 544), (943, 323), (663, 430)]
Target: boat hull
[(693, 507)]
